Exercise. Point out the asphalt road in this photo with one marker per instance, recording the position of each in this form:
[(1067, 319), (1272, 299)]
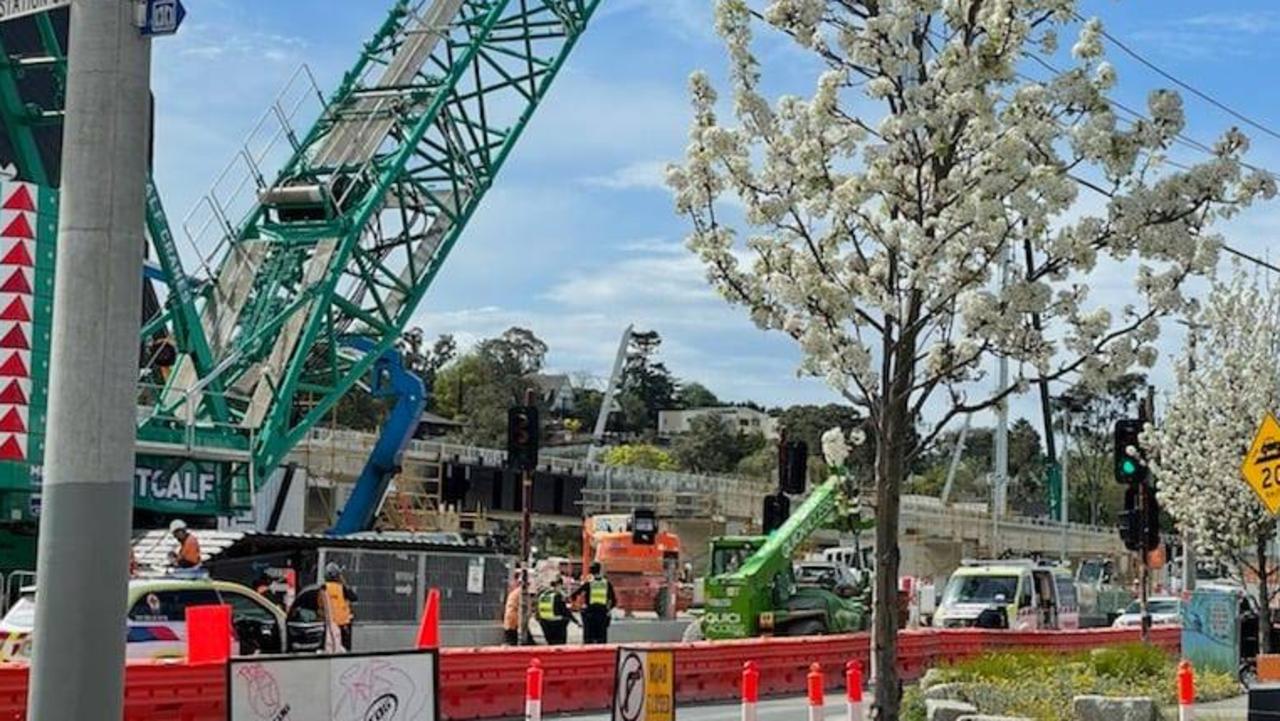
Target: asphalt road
[(784, 709), (796, 709)]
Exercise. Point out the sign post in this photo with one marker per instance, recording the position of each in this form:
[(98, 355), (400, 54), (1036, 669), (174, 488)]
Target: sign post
[(1261, 467), (644, 685)]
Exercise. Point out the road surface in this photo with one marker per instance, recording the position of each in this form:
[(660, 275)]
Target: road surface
[(794, 709)]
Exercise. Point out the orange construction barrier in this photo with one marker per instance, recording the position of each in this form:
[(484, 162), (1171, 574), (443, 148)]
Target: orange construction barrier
[(208, 634)]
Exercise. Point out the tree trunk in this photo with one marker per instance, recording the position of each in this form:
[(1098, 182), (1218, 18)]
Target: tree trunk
[(891, 449), (1264, 606)]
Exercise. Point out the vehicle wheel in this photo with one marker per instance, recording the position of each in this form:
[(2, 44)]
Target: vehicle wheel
[(807, 627), (693, 632)]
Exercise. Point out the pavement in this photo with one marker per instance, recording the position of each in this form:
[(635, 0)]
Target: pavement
[(1235, 709)]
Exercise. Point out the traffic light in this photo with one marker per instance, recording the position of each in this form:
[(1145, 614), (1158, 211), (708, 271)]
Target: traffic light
[(523, 435), (777, 507), (793, 467), (1140, 519), (1129, 467)]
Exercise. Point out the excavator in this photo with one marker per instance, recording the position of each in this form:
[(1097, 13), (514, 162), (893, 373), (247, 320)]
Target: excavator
[(752, 588)]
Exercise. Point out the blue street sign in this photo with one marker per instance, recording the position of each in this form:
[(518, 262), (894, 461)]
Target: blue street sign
[(163, 17)]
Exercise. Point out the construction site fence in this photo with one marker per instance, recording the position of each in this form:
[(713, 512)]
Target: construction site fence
[(489, 683), (393, 584)]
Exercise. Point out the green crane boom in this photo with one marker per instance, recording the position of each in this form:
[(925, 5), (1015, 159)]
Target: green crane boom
[(348, 236)]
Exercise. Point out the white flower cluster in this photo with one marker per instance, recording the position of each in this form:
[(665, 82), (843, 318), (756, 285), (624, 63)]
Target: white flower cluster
[(834, 448), (1226, 383), (872, 220)]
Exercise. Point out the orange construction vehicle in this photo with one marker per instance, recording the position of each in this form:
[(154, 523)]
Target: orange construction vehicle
[(641, 562)]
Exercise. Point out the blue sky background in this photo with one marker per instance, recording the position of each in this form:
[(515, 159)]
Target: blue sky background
[(578, 238)]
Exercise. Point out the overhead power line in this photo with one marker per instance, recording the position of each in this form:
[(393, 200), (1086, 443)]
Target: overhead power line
[(1256, 124)]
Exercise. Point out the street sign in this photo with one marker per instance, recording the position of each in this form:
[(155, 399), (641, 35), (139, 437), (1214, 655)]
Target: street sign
[(163, 17), (12, 9), (644, 685), (1261, 467)]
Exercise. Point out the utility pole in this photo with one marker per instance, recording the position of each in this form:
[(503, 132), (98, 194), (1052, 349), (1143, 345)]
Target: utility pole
[(1001, 481), (1066, 503), (1148, 415), (87, 494)]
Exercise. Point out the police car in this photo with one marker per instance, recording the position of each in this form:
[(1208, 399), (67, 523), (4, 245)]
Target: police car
[(157, 625)]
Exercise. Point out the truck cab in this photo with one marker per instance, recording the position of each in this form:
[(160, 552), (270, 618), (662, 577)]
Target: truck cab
[(1015, 595)]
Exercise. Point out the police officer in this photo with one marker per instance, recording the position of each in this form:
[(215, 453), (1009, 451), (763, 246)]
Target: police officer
[(554, 615), (600, 601)]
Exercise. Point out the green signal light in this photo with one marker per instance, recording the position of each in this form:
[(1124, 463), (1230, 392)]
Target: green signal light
[(1128, 467)]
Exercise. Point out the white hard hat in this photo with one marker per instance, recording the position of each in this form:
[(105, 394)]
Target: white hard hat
[(177, 525)]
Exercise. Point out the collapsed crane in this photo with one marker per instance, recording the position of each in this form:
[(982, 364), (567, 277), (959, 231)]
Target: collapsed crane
[(307, 275)]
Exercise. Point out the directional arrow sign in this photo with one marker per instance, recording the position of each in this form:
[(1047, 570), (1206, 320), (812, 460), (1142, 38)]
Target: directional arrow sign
[(11, 9), (1261, 468)]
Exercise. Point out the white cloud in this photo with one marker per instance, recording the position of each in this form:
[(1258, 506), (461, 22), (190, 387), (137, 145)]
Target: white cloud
[(641, 175), (1249, 22)]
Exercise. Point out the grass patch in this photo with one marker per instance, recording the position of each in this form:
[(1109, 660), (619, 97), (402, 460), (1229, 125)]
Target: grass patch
[(1041, 686)]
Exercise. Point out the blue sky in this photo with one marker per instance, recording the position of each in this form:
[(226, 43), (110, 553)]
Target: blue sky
[(578, 238)]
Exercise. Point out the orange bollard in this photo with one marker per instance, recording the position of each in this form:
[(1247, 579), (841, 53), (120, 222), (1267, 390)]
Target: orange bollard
[(533, 691), (817, 700), (750, 690), (1186, 691), (853, 689), (429, 630)]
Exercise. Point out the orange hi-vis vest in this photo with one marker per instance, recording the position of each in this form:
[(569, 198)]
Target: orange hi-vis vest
[(190, 551), (339, 609)]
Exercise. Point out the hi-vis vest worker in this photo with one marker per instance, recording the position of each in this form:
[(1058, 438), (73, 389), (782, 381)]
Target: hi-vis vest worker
[(599, 594), (547, 607), (338, 605)]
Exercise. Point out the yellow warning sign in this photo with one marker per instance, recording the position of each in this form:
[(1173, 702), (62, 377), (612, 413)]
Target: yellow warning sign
[(644, 686), (1261, 467)]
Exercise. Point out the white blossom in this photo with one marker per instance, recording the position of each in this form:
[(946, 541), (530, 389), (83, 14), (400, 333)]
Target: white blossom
[(1226, 382), (834, 448), (871, 220)]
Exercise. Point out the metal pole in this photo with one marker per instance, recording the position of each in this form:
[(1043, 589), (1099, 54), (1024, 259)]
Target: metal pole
[(1002, 418), (1066, 502), (955, 461), (607, 403), (85, 520), (526, 529)]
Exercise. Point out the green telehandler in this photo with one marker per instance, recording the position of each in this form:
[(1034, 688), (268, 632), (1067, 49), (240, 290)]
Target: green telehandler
[(752, 589)]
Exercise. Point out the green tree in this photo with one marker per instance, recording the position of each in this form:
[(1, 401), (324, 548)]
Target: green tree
[(696, 395), (648, 380), (1088, 415), (640, 455), (713, 446), (478, 387)]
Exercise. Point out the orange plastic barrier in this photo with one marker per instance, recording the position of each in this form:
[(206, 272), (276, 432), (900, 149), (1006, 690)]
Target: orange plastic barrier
[(490, 682)]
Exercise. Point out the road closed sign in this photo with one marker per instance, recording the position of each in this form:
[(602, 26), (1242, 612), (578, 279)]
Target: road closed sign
[(1261, 468), (644, 686)]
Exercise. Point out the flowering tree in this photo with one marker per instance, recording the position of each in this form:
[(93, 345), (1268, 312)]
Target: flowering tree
[(1226, 383), (873, 219)]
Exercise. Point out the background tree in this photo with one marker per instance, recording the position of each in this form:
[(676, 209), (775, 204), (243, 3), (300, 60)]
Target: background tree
[(696, 395), (640, 455), (1088, 417), (478, 387), (647, 379), (876, 217), (1226, 383), (713, 446)]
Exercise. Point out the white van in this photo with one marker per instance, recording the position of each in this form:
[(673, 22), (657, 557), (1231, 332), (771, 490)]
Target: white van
[(1016, 595)]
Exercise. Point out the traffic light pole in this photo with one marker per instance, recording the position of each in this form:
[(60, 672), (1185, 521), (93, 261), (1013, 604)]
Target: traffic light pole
[(526, 531)]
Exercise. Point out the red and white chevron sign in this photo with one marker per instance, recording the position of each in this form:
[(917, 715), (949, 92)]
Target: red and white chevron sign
[(18, 203)]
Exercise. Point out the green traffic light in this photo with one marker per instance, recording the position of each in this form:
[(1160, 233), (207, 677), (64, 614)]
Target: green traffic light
[(1128, 467)]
